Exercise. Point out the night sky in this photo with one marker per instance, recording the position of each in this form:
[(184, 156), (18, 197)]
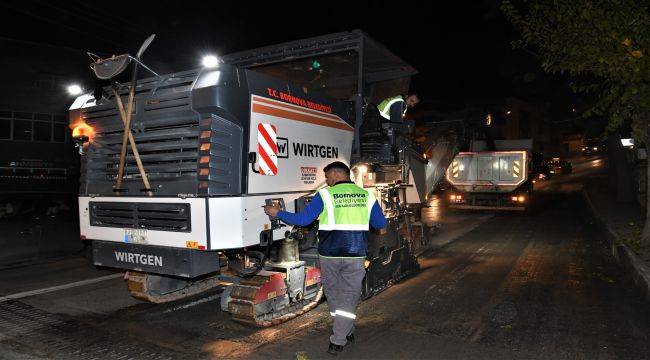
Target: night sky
[(462, 50)]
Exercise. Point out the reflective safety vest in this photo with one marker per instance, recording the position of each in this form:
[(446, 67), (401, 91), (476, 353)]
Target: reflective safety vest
[(384, 106), (346, 207)]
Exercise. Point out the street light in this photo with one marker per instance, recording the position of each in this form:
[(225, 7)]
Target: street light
[(74, 89), (210, 61)]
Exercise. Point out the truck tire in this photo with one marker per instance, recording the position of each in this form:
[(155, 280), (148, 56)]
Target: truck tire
[(530, 206)]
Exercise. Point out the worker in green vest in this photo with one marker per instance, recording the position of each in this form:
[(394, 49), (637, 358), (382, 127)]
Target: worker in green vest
[(394, 108), (345, 213)]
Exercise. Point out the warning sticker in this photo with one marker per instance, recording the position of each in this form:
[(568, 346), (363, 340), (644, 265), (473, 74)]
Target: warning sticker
[(308, 174)]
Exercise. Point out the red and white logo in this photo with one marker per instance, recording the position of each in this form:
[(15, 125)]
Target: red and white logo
[(267, 149)]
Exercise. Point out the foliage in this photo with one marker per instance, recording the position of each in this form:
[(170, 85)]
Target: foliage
[(605, 41)]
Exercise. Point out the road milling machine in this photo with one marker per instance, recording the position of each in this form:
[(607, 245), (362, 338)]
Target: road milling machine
[(177, 167)]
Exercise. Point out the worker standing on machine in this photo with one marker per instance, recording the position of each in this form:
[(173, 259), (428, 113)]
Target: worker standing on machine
[(345, 212), (394, 108)]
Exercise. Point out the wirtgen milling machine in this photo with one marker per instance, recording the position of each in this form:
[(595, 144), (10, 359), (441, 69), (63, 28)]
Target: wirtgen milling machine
[(177, 202)]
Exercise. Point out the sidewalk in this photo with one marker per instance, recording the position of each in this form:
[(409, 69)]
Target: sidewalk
[(624, 223)]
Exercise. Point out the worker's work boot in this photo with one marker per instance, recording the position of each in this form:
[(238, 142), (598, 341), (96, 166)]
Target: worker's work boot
[(350, 338), (334, 349)]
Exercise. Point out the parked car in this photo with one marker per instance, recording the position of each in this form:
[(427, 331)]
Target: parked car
[(558, 166), (540, 169), (593, 147)]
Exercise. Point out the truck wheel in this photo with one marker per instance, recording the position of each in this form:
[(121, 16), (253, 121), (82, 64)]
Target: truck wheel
[(529, 206)]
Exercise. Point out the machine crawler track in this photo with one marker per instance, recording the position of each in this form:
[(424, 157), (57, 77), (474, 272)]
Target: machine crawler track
[(262, 300)]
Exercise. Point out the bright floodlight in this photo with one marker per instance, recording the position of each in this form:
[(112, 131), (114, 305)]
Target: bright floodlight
[(75, 90), (210, 61)]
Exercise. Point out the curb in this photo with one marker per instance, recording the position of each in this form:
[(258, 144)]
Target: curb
[(622, 253)]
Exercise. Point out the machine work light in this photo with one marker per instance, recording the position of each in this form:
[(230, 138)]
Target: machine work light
[(74, 90), (210, 61)]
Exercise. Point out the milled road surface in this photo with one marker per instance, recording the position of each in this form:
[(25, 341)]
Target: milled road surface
[(540, 286)]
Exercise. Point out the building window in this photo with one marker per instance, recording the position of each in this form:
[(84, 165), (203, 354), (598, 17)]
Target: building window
[(22, 115), (44, 117), (23, 130), (5, 129), (24, 126), (42, 131), (60, 131)]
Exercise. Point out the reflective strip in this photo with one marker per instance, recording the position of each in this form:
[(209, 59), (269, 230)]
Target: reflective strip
[(515, 169), (385, 112), (454, 169), (329, 205), (333, 314), (267, 149), (352, 227), (346, 314)]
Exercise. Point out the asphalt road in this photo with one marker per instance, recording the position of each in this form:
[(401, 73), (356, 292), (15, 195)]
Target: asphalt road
[(539, 286)]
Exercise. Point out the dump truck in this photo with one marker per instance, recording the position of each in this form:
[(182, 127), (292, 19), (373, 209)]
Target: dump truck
[(177, 167), (496, 179)]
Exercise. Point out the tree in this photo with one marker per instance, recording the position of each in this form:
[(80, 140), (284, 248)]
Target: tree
[(601, 44)]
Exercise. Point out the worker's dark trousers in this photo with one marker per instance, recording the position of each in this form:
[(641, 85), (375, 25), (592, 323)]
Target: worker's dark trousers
[(396, 112), (342, 278)]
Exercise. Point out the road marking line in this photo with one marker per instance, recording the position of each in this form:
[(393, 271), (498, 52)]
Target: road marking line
[(193, 303), (58, 287)]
